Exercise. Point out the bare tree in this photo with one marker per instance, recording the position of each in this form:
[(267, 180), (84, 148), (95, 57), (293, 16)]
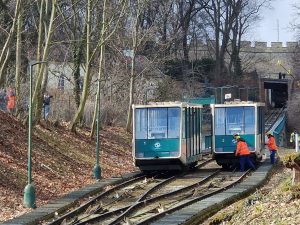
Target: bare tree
[(18, 59), (42, 55), (247, 14), (90, 54), (230, 20), (6, 48), (137, 37)]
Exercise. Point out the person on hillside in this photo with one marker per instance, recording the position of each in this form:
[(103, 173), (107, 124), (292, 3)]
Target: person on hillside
[(271, 143), (2, 99), (242, 151), (46, 105), (11, 101)]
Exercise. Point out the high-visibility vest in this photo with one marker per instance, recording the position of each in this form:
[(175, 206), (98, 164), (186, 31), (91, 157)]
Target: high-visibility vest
[(271, 143), (242, 148), (11, 102)]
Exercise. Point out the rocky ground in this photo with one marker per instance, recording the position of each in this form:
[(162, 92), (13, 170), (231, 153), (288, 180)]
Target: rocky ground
[(61, 161)]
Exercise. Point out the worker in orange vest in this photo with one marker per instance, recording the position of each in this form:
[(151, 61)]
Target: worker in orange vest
[(243, 152), (272, 147), (11, 101)]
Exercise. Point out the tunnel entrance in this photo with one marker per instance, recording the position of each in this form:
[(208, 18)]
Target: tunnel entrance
[(276, 93)]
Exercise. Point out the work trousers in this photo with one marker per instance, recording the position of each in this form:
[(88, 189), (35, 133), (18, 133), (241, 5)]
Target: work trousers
[(46, 111), (245, 159), (272, 156)]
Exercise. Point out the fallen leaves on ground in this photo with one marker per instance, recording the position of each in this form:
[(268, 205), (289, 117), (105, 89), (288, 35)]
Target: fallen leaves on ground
[(61, 161)]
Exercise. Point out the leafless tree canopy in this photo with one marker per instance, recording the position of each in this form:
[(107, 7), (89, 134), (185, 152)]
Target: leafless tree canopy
[(127, 45)]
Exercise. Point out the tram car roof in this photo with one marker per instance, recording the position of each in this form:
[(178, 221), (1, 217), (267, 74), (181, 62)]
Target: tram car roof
[(238, 103), (167, 104)]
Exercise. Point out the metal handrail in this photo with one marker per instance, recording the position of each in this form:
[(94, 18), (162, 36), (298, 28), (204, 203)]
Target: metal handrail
[(275, 120)]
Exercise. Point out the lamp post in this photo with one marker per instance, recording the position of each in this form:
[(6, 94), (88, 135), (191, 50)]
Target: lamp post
[(97, 168), (29, 191)]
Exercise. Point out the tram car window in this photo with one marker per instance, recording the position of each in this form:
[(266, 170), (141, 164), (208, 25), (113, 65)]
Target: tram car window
[(167, 136), (243, 118)]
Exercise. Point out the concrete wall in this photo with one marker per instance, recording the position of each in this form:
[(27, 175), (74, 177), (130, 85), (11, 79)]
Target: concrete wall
[(256, 56), (58, 71)]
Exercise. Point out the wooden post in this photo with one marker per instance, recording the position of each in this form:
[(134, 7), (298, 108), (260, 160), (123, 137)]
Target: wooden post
[(296, 176)]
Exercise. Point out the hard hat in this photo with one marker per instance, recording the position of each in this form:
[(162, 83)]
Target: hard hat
[(236, 136), (268, 133)]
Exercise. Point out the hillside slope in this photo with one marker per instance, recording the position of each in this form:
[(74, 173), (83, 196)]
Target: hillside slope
[(61, 161)]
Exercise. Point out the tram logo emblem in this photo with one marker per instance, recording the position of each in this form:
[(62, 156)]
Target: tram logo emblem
[(157, 145)]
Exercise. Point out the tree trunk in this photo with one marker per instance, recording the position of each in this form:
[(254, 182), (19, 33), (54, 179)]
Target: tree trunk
[(185, 45), (129, 114), (296, 174), (87, 79), (2, 68), (78, 56), (37, 96), (18, 62), (89, 57), (5, 50), (101, 66), (97, 105), (131, 88), (132, 72)]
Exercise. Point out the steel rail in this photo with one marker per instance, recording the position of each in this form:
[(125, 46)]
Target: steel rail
[(189, 202), (98, 197), (127, 210), (148, 201), (83, 207), (124, 209)]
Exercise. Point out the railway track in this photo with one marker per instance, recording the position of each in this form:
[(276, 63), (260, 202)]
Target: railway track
[(146, 198), (272, 117)]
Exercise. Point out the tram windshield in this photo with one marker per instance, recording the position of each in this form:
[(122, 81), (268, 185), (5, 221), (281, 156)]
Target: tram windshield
[(157, 123), (229, 121)]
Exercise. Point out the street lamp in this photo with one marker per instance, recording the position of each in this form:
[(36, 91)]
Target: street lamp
[(97, 168), (29, 191)]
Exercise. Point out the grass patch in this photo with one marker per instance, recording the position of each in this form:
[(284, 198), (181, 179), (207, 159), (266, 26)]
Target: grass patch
[(290, 159), (225, 216), (286, 185)]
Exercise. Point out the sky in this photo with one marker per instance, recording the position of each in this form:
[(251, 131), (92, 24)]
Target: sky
[(283, 13)]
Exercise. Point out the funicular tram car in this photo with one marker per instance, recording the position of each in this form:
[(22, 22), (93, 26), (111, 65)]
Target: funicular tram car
[(243, 118), (167, 136)]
